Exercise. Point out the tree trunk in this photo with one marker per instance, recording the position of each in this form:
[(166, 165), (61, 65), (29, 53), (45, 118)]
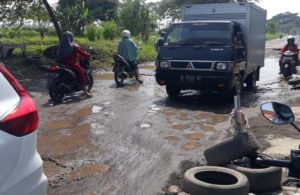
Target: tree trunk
[(53, 18)]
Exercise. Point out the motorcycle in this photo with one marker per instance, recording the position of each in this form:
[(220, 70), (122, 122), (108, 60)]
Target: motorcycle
[(62, 81), (288, 64), (121, 69)]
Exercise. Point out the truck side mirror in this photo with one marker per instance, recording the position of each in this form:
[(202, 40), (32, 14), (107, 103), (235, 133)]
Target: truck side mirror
[(239, 36)]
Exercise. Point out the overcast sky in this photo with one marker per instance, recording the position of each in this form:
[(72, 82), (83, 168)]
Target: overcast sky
[(273, 7)]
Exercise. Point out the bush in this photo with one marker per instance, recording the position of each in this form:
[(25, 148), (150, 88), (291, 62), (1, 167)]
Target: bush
[(91, 32), (110, 30)]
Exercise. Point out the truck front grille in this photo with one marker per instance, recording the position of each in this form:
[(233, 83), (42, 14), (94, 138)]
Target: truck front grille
[(196, 65)]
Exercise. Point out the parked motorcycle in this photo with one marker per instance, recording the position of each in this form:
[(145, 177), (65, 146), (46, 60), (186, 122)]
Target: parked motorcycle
[(288, 64), (121, 69), (62, 81)]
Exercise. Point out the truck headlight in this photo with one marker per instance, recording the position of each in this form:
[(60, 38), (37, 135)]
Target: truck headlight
[(164, 64), (221, 66)]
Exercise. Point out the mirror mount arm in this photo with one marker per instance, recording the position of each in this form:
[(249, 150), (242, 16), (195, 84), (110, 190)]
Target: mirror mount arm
[(295, 126)]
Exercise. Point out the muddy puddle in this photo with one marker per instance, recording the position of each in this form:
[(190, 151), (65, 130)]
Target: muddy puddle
[(172, 139), (68, 145), (191, 146), (103, 76), (195, 136), (180, 126)]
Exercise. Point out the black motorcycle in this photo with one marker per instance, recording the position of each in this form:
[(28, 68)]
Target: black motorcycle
[(288, 64), (62, 81), (121, 69)]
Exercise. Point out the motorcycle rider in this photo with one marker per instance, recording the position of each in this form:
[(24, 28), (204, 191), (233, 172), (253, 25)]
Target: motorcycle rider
[(291, 46), (129, 51), (70, 54)]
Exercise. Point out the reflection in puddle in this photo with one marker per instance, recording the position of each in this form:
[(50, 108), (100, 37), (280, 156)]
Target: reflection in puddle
[(97, 109), (195, 136), (145, 125), (85, 171), (191, 146)]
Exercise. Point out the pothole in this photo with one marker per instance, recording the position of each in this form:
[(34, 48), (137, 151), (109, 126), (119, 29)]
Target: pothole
[(195, 136), (180, 126), (85, 171), (171, 138), (191, 146)]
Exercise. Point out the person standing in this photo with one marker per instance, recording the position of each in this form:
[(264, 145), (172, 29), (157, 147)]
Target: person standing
[(129, 51), (160, 41)]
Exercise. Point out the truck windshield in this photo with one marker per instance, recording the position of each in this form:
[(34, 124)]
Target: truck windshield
[(200, 34)]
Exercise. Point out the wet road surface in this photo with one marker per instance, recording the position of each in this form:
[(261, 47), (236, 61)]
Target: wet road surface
[(130, 140)]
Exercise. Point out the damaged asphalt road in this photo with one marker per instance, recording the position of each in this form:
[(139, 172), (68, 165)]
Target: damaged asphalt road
[(131, 140)]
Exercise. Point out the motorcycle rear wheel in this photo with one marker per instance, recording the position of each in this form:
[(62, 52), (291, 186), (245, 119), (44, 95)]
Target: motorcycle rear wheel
[(56, 91), (119, 76), (90, 81)]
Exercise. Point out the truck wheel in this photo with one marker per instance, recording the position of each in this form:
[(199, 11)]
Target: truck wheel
[(261, 178), (172, 91), (245, 142), (215, 181), (251, 81)]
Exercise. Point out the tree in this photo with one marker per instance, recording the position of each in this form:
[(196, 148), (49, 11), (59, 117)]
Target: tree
[(16, 11), (137, 17), (74, 15), (286, 22)]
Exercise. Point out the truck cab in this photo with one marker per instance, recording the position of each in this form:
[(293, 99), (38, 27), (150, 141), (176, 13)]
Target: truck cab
[(217, 55)]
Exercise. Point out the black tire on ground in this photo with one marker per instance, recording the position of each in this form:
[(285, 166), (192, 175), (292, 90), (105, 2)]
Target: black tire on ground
[(56, 92), (119, 76), (251, 81), (210, 180), (172, 91), (90, 81), (261, 179), (233, 148)]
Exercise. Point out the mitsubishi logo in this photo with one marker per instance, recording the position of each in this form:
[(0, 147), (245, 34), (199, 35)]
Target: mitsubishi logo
[(190, 66)]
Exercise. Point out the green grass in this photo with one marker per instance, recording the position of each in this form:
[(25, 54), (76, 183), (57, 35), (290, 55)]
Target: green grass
[(270, 36), (106, 48)]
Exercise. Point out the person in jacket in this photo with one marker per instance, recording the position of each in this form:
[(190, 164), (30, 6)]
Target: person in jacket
[(160, 41), (70, 54), (129, 51), (291, 46)]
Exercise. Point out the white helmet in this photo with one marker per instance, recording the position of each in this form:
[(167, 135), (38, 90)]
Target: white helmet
[(126, 33)]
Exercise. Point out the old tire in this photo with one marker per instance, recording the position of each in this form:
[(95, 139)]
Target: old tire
[(261, 178), (230, 149), (210, 180), (172, 91)]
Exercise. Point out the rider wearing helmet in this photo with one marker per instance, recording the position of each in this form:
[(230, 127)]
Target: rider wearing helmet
[(291, 46), (129, 51)]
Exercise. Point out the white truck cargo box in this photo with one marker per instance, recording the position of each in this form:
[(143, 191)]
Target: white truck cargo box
[(251, 18)]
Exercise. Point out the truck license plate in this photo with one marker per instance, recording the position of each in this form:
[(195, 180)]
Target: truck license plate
[(187, 78)]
